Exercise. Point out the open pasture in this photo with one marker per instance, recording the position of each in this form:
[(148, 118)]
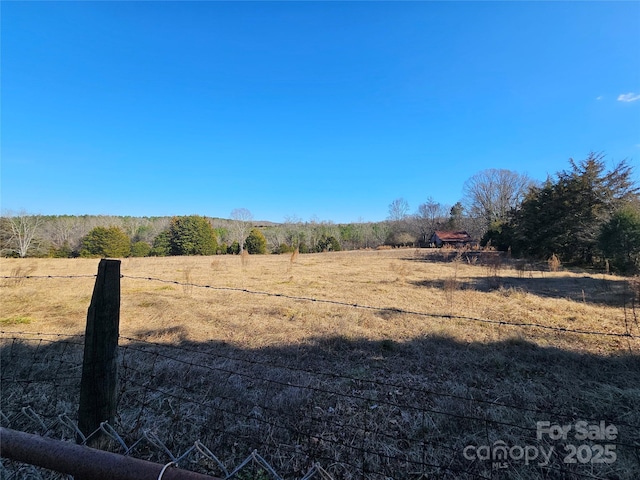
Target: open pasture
[(349, 338)]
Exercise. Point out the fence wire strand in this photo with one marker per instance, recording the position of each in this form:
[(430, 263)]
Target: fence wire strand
[(146, 367), (267, 419), (386, 309)]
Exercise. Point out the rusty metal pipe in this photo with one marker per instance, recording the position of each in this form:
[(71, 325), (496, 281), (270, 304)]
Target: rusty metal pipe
[(84, 462)]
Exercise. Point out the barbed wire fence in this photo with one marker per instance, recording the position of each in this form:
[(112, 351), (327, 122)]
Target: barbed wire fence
[(217, 411)]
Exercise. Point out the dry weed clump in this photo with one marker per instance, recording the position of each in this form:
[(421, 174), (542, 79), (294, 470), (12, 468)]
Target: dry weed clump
[(402, 270), (293, 258), (187, 280), (294, 255), (554, 263), (244, 258), (522, 267), (471, 259), (451, 283), (492, 262), (19, 272)]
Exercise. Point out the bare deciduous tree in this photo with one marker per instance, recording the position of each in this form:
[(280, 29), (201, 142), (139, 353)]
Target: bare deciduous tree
[(399, 221), (23, 231), (241, 225), (398, 210), (491, 194), (65, 230), (430, 217)]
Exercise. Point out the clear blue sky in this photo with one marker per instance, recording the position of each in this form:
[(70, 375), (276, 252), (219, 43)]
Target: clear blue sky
[(324, 110)]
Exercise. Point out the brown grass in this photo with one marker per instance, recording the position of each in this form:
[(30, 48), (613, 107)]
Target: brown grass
[(387, 279), (531, 367)]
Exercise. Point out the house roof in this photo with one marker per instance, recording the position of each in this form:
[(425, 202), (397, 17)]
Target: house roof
[(453, 236)]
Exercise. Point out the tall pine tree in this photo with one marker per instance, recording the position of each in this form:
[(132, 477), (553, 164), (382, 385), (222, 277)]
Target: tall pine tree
[(565, 217)]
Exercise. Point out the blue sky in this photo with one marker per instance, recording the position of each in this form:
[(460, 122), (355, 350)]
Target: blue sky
[(318, 110)]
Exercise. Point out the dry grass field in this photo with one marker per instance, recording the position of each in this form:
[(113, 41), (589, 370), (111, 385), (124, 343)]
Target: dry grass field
[(440, 324)]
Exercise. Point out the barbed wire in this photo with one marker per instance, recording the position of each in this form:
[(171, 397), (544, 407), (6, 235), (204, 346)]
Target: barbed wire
[(389, 407), (376, 401), (386, 383), (20, 277), (396, 310), (390, 437), (292, 425), (150, 439), (419, 391), (147, 370), (373, 449)]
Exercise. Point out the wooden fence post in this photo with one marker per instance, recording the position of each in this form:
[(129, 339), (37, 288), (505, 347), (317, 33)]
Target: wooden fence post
[(99, 366)]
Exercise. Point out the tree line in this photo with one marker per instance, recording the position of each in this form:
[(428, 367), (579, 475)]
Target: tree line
[(586, 215), (63, 236)]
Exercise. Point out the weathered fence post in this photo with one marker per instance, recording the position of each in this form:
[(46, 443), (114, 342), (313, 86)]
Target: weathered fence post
[(99, 367)]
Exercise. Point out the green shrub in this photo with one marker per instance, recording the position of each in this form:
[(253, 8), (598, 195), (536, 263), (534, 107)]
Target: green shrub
[(140, 249), (65, 251), (256, 243), (106, 242), (328, 244), (192, 235), (161, 244), (284, 248), (303, 247), (234, 248), (620, 240)]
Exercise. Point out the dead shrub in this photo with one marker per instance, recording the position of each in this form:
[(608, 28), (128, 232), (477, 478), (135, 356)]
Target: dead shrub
[(554, 263), (401, 270), (187, 286), (493, 264), (19, 274), (451, 284), (471, 259), (244, 258), (293, 258), (521, 267)]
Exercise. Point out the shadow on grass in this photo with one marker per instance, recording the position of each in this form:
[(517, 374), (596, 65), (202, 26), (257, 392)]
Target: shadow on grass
[(363, 409), (601, 291)]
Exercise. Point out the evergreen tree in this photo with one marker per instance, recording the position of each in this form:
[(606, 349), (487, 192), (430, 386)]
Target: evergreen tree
[(140, 249), (328, 244), (455, 217), (161, 244), (620, 239), (106, 242), (565, 217), (192, 235), (234, 248), (256, 243)]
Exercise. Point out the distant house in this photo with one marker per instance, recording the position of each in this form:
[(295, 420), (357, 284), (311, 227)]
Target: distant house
[(458, 238)]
